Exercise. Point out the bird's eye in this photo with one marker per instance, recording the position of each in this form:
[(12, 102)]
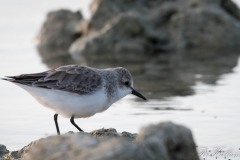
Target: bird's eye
[(127, 83)]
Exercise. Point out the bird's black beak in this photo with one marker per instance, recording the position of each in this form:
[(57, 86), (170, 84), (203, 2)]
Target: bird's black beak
[(136, 93)]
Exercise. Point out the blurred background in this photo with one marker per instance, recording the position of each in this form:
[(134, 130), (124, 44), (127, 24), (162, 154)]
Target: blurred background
[(184, 57)]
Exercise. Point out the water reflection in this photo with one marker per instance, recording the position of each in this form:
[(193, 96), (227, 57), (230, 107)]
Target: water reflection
[(168, 75)]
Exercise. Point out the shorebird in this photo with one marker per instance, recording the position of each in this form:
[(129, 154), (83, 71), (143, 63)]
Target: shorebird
[(75, 91)]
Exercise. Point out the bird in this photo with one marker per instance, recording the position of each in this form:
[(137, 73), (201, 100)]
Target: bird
[(77, 91)]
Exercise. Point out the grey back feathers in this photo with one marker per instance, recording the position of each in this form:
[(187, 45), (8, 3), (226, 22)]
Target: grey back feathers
[(72, 78), (76, 79)]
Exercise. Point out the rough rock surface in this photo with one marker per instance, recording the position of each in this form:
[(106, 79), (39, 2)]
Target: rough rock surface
[(163, 43), (164, 141)]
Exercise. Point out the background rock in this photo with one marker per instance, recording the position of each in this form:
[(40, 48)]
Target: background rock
[(58, 32), (198, 28), (164, 141)]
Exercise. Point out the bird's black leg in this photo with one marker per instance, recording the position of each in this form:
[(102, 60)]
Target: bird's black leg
[(72, 121), (56, 123)]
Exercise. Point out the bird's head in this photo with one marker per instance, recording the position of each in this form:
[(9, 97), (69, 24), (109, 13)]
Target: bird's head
[(125, 83)]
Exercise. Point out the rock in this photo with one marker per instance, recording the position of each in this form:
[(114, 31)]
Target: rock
[(177, 139), (59, 31), (129, 28), (18, 154), (164, 141), (3, 151), (112, 133), (105, 132)]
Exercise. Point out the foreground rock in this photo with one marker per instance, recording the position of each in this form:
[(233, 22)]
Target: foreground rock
[(164, 141)]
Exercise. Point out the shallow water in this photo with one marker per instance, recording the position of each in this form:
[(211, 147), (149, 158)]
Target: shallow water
[(213, 113)]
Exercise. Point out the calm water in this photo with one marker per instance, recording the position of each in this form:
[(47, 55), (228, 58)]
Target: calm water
[(213, 113)]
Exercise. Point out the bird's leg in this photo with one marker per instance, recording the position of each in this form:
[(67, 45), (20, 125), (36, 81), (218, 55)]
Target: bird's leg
[(56, 123), (72, 121)]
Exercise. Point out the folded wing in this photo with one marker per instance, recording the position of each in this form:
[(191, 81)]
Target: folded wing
[(73, 78)]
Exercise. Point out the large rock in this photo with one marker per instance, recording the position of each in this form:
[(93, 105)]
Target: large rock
[(164, 141), (132, 30)]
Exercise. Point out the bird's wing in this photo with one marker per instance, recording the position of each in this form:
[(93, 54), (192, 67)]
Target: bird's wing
[(72, 78)]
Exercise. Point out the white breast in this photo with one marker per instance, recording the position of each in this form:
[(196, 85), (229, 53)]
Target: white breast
[(68, 104)]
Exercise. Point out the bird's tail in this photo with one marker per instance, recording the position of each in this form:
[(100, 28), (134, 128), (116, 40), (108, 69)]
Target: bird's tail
[(7, 78)]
